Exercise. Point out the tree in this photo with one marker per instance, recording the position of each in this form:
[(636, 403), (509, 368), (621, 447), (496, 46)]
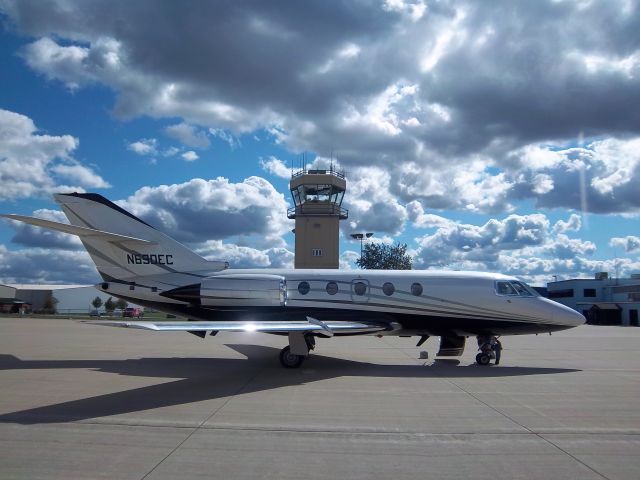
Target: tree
[(121, 304), (96, 302), (50, 305), (382, 256), (110, 305)]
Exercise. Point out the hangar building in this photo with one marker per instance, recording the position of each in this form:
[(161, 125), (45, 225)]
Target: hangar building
[(71, 298), (602, 300)]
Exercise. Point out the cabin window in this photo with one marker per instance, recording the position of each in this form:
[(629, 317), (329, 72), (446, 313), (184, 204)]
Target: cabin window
[(388, 289), (589, 292), (332, 288), (303, 288), (360, 288), (416, 289)]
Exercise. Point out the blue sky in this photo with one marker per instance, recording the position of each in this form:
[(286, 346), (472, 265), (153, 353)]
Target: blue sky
[(465, 132)]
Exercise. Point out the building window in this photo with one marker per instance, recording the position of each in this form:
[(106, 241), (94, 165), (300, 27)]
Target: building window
[(360, 288), (316, 252), (589, 292), (416, 289), (568, 292), (388, 289), (332, 288), (303, 288)]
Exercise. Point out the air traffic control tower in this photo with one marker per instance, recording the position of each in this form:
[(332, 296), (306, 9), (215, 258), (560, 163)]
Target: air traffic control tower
[(317, 195)]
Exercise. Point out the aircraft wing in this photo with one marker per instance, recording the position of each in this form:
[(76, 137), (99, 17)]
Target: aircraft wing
[(311, 325)]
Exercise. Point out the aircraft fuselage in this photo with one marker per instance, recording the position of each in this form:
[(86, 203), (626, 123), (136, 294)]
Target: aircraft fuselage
[(407, 302)]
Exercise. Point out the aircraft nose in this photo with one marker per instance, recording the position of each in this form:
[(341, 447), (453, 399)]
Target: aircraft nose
[(568, 316), (560, 314)]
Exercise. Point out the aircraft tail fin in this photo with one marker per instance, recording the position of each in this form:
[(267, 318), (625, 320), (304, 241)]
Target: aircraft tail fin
[(121, 245)]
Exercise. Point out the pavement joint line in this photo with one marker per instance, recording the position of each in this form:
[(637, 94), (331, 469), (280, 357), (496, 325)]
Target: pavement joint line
[(351, 431), (572, 456), (198, 427), (540, 436), (565, 432)]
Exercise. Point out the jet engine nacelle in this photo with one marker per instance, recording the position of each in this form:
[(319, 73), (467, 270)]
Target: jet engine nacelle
[(260, 290)]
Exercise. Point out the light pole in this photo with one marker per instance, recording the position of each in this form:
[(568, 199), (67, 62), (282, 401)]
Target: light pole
[(361, 237)]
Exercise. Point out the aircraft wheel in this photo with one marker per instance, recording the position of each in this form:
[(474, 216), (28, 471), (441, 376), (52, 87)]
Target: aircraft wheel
[(483, 359), (290, 360)]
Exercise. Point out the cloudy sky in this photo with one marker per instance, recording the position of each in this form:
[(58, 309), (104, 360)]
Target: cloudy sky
[(500, 136)]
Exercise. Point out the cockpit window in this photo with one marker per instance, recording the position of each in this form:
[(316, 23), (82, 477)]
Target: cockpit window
[(514, 288), (505, 288)]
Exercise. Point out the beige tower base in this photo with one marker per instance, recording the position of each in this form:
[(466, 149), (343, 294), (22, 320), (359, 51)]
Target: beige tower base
[(317, 243), (317, 195)]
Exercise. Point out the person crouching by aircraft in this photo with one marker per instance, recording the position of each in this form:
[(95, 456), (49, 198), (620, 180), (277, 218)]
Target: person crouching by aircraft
[(496, 346)]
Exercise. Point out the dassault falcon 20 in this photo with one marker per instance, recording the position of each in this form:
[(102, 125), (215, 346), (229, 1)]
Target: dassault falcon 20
[(142, 265)]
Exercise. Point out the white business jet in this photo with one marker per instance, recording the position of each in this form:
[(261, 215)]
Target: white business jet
[(144, 266)]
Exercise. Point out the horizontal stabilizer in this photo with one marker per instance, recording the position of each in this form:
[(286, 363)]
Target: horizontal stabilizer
[(312, 326), (76, 230)]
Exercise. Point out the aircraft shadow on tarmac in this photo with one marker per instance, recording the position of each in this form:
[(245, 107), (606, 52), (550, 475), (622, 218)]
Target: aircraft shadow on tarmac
[(202, 379)]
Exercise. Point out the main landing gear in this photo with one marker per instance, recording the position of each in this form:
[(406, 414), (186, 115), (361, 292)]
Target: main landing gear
[(290, 360), (294, 354)]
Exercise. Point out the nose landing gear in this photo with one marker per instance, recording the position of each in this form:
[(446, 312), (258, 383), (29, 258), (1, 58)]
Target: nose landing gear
[(484, 358), (486, 345)]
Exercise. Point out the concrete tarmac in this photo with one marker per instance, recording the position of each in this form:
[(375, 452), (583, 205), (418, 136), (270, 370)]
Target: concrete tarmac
[(87, 402)]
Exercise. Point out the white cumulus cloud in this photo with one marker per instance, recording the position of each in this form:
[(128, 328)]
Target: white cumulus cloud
[(630, 243), (189, 135), (144, 146), (215, 209), (276, 167), (34, 164), (190, 156)]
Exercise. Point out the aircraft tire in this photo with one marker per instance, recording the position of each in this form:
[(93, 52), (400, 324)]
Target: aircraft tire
[(290, 360), (483, 359)]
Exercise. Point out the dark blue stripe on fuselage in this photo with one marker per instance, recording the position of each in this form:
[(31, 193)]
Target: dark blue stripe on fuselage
[(431, 324)]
